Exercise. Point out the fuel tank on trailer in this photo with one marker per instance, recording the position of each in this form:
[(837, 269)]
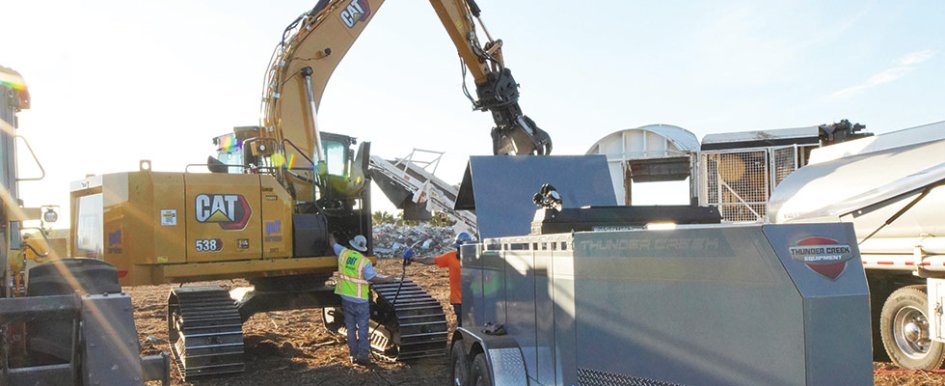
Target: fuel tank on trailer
[(702, 304), (698, 304)]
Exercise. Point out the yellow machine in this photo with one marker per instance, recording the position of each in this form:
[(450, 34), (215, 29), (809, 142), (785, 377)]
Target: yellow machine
[(160, 227), (274, 195), (69, 323)]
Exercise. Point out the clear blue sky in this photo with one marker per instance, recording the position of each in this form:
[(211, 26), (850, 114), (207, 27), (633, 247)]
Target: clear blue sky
[(118, 81)]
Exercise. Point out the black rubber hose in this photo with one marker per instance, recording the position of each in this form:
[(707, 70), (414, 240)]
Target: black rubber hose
[(473, 7)]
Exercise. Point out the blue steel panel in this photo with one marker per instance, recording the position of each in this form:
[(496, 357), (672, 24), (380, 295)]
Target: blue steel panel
[(520, 301), (833, 284), (493, 289), (566, 346), (500, 188), (690, 306), (850, 279), (545, 320), (471, 278), (108, 322)]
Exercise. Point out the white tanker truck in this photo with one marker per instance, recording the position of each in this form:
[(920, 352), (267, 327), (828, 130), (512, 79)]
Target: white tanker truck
[(890, 187)]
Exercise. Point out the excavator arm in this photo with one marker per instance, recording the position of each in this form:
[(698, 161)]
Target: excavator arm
[(314, 44), (496, 89)]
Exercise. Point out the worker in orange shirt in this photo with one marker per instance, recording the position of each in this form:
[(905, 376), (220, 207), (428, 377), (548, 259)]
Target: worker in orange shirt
[(449, 260)]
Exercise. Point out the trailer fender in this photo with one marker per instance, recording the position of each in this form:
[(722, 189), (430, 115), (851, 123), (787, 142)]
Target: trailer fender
[(502, 353)]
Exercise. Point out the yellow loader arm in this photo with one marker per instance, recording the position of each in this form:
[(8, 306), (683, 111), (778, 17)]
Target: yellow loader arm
[(314, 44)]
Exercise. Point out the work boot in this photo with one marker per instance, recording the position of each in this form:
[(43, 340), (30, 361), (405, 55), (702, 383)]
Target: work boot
[(362, 361)]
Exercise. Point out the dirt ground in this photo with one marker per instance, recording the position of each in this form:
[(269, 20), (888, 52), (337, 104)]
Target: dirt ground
[(293, 347)]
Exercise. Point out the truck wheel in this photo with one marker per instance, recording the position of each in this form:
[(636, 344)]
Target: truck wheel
[(480, 372), (904, 326), (460, 365)]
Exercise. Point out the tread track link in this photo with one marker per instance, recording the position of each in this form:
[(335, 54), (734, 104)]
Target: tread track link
[(205, 331), (412, 328)]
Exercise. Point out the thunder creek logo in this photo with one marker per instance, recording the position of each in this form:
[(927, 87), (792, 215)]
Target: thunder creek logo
[(231, 211), (822, 255), (357, 10)]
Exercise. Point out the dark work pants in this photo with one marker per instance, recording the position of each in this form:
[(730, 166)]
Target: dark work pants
[(458, 310)]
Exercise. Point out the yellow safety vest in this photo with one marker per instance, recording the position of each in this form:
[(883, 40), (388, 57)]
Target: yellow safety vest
[(351, 280)]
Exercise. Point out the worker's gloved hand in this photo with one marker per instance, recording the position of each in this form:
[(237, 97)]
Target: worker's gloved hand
[(408, 255)]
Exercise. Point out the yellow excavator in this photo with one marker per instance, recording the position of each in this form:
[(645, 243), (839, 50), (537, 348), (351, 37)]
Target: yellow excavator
[(274, 194)]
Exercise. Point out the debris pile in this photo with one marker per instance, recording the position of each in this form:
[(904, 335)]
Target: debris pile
[(390, 240)]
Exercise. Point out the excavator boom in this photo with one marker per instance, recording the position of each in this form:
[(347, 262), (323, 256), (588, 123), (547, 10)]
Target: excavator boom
[(314, 44)]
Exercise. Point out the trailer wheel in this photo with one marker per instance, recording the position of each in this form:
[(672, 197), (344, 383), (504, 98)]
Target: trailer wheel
[(58, 277), (460, 364), (904, 326), (480, 372)]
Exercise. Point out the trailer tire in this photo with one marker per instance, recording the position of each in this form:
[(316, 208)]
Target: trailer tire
[(66, 276), (904, 326), (459, 369), (481, 376)]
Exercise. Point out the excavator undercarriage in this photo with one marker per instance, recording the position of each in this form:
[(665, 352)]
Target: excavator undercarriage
[(205, 322)]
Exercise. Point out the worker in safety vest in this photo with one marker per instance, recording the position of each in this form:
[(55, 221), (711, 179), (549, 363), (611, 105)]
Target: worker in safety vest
[(355, 273), (449, 260)]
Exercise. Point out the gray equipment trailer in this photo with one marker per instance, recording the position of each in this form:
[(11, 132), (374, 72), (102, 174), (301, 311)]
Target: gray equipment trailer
[(590, 296), (891, 188), (74, 326)]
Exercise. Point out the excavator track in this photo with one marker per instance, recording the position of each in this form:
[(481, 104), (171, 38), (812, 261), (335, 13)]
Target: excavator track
[(205, 331), (404, 326)]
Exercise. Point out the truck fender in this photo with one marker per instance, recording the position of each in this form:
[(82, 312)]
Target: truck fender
[(502, 353)]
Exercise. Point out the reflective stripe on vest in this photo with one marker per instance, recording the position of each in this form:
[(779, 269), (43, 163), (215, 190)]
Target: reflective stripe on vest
[(351, 280)]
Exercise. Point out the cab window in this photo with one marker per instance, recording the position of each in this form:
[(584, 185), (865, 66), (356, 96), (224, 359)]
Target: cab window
[(336, 158)]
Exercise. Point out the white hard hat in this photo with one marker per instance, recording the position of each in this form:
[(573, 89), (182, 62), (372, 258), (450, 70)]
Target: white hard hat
[(359, 242)]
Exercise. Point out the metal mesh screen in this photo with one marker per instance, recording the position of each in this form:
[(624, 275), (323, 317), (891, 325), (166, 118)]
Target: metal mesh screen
[(710, 177), (737, 183), (784, 162), (588, 377)]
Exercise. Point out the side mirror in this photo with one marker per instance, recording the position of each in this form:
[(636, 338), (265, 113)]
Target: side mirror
[(215, 165), (50, 215)]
